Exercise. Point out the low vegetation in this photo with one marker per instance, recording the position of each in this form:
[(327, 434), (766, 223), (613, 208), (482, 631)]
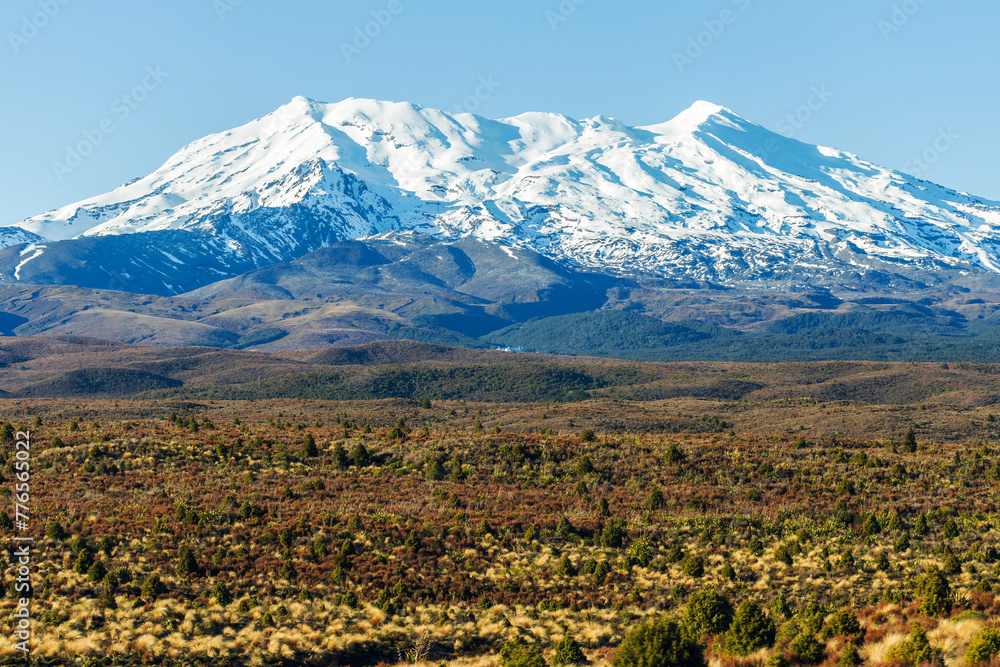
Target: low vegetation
[(307, 532)]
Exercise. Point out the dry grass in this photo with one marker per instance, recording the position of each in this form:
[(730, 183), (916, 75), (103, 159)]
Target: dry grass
[(457, 564)]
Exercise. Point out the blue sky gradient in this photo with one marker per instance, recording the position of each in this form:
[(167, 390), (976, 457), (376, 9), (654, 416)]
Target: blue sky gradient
[(886, 79)]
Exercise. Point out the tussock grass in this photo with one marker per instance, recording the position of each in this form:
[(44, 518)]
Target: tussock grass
[(472, 581)]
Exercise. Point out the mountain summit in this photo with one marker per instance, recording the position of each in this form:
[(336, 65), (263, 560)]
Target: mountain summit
[(707, 195)]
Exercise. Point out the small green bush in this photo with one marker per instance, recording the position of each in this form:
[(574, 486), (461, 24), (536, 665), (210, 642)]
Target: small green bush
[(674, 455), (399, 431), (568, 652), (613, 534), (123, 574), (658, 643), (845, 487), (221, 594), (916, 650), (564, 528), (566, 567), (806, 648), (850, 657), (97, 571), (78, 544), (654, 500), (107, 598), (934, 592), (286, 538), (871, 526), (83, 562), (360, 456), (708, 612), (186, 562), (842, 622), (780, 608), (783, 555), (248, 509), (639, 553), (518, 653), (309, 448), (54, 530), (338, 457), (433, 470), (457, 471), (983, 647), (152, 587), (106, 545), (750, 630), (694, 566)]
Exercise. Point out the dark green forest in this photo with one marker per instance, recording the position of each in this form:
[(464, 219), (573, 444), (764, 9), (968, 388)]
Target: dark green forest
[(904, 333)]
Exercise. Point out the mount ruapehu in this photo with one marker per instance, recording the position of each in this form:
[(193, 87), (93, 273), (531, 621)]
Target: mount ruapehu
[(704, 236)]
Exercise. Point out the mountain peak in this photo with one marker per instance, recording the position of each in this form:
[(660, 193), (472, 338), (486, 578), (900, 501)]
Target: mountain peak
[(697, 118), (702, 112), (302, 101), (606, 123), (299, 107), (707, 195)]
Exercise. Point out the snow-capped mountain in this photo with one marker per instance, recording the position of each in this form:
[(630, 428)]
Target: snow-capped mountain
[(707, 195)]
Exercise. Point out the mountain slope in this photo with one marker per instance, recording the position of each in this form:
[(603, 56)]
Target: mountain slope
[(397, 284), (707, 195)]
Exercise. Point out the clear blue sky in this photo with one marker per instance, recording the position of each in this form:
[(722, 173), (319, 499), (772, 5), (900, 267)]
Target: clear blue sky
[(892, 92)]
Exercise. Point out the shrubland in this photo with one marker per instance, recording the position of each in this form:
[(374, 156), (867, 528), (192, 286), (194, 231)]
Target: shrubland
[(367, 532)]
